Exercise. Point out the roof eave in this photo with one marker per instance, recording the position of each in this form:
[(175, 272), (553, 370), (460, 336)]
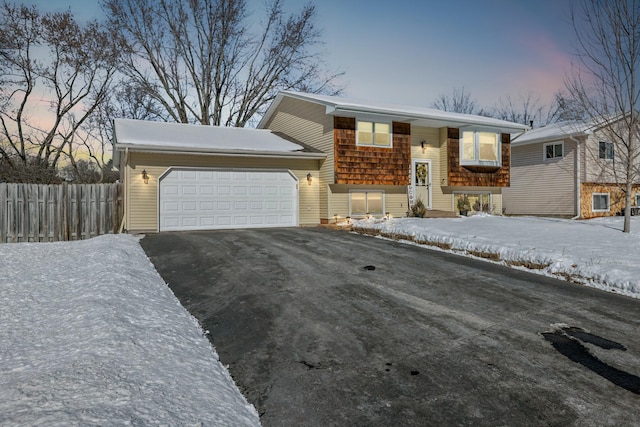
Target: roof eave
[(550, 138), (411, 116), (333, 108), (217, 152)]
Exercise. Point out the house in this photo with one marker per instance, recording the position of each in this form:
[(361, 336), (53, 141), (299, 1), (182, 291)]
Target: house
[(381, 158), (313, 159), (565, 170)]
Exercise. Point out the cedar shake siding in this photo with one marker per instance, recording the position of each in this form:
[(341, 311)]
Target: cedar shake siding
[(364, 165), (476, 176)]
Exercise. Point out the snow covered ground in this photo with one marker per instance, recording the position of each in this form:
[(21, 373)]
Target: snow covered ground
[(594, 252), (91, 335)]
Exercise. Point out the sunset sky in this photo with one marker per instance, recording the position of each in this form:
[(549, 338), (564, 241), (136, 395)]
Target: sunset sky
[(409, 52)]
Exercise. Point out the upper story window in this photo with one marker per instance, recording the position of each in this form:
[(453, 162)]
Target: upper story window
[(480, 148), (554, 150), (605, 150), (373, 133)]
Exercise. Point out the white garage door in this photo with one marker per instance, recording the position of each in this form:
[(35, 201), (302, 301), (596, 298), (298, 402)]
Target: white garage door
[(205, 199)]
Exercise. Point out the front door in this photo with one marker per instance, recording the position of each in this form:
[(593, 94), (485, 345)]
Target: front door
[(422, 181)]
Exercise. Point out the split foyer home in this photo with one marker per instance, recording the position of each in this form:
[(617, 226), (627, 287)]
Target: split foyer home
[(567, 169), (382, 158), (312, 160)]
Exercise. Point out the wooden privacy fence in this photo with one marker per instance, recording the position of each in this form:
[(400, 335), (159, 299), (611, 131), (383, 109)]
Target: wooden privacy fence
[(48, 213)]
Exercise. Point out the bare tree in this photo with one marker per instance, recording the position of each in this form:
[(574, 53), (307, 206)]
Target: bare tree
[(606, 82), (459, 101), (566, 109), (526, 110), (200, 61), (54, 73)]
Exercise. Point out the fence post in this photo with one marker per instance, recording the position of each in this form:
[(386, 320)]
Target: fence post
[(3, 213)]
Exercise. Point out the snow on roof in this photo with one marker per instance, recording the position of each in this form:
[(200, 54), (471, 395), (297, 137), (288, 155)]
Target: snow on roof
[(431, 116), (551, 132), (149, 135)]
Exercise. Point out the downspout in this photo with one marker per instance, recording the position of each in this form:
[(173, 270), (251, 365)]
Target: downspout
[(577, 179), (125, 192)]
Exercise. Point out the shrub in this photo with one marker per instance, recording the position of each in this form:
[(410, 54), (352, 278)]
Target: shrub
[(418, 209)]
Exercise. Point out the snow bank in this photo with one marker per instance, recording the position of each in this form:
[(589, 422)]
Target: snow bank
[(594, 253), (91, 334)]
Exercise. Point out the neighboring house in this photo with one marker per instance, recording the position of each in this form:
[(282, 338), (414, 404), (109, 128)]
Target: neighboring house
[(381, 158), (565, 170), (315, 159)]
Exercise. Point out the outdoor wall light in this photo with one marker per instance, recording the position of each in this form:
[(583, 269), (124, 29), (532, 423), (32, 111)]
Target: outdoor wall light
[(309, 178), (367, 215), (422, 143), (145, 176), (388, 216), (348, 220)]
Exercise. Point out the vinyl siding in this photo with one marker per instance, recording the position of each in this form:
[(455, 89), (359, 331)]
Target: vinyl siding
[(601, 170), (142, 199), (308, 123), (440, 200), (541, 187), (444, 155)]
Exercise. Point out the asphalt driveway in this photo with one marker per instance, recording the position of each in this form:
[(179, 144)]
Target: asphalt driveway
[(323, 327)]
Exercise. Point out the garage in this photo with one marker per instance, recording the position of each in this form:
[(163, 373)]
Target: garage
[(181, 177), (207, 199)]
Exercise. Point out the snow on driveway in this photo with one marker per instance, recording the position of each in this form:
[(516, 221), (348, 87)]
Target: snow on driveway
[(594, 252), (91, 335)]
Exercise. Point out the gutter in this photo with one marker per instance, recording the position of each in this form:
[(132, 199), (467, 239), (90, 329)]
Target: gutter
[(578, 184), (224, 153), (124, 192)]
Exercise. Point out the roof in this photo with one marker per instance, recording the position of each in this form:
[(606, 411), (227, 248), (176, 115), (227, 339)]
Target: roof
[(141, 135), (552, 132), (421, 116)]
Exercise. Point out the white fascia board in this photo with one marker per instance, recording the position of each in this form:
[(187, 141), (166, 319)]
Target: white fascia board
[(503, 126), (235, 153)]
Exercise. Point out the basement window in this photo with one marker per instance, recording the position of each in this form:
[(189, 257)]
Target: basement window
[(373, 134), (362, 203)]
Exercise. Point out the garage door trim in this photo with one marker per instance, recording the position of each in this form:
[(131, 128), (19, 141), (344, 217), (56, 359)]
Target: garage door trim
[(295, 196)]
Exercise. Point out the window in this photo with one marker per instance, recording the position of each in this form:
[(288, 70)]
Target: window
[(373, 133), (366, 202), (605, 150), (473, 202), (637, 199), (600, 202), (553, 150), (480, 148)]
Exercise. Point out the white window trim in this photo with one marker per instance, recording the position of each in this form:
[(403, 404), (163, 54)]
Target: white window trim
[(358, 143), (469, 193), (613, 148), (367, 201), (608, 202), (497, 163), (544, 151)]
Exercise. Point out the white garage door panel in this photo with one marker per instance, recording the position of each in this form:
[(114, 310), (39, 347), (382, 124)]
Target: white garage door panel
[(210, 199)]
